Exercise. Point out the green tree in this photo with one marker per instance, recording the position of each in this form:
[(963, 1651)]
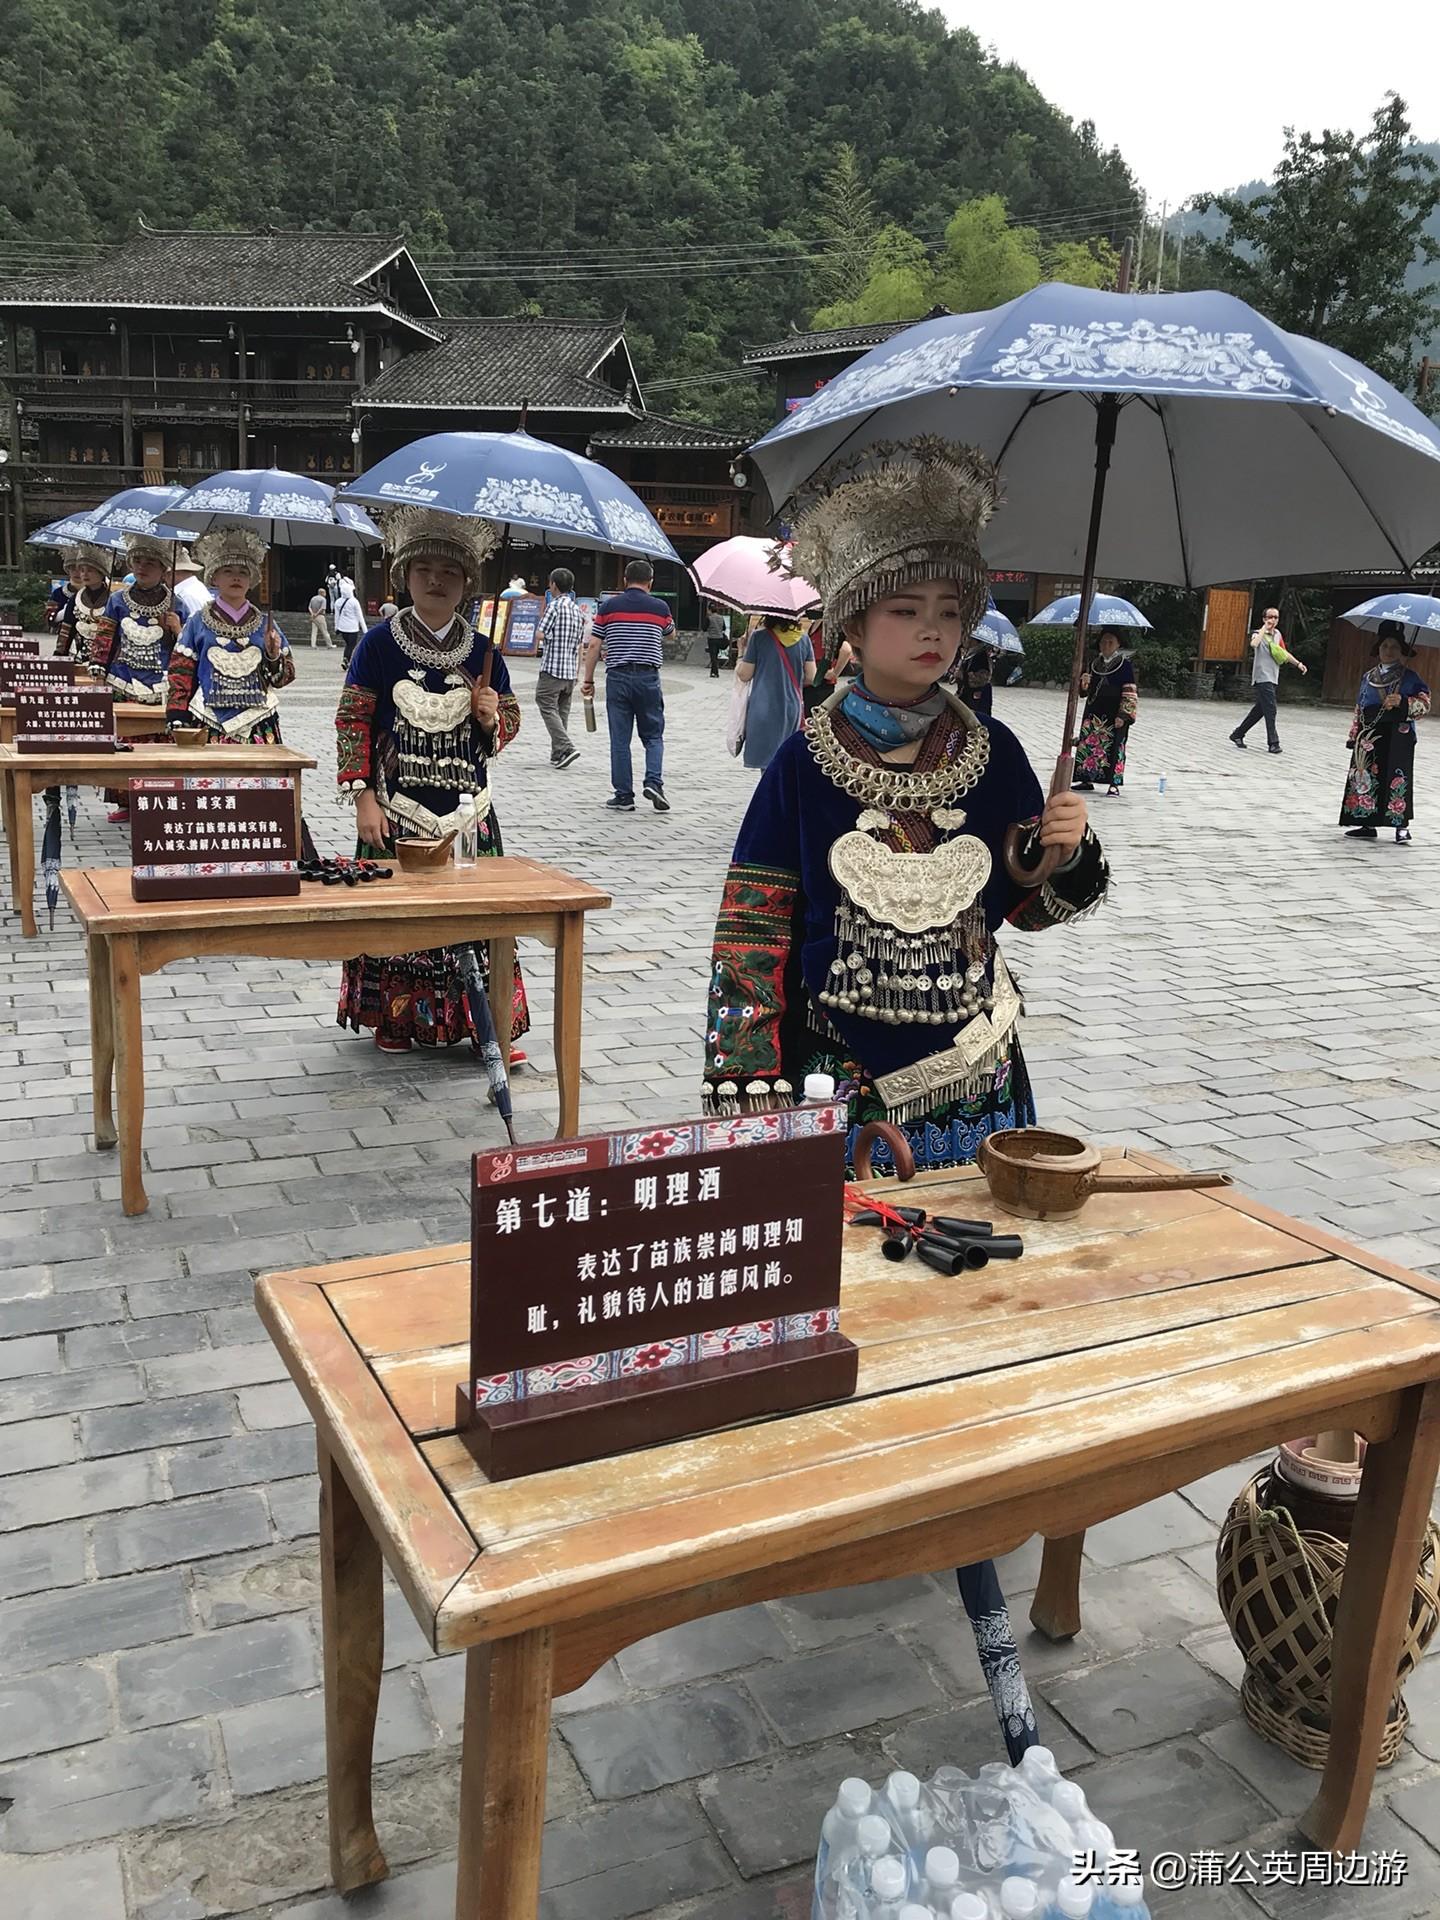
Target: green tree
[(900, 284), (846, 228), (1083, 263), (985, 260), (1326, 248)]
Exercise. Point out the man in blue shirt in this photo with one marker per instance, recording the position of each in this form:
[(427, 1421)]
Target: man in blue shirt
[(631, 627)]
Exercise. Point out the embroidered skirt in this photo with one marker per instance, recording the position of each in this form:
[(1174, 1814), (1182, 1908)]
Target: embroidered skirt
[(1380, 787), (1100, 751), (421, 996)]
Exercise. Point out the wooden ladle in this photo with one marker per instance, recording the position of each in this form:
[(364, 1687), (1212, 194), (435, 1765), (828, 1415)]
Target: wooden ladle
[(1049, 1176)]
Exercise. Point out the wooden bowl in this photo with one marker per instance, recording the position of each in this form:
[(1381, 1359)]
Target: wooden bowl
[(423, 856), (1049, 1176), (189, 736)]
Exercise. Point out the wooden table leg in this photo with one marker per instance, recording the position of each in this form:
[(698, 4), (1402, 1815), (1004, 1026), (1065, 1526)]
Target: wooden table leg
[(7, 812), (1375, 1600), (502, 1777), (502, 992), (569, 994), (22, 844), (129, 1067), (353, 1620), (102, 1038), (1055, 1609)]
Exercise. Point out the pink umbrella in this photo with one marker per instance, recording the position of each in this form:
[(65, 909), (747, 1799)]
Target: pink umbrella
[(737, 574)]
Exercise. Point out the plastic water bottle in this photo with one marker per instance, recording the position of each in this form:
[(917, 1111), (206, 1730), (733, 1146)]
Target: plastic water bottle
[(911, 1912), (840, 1842), (903, 1792), (1068, 1800), (1038, 1770), (1074, 1899), (889, 1884), (1019, 1898), (1162, 783), (969, 1906), (467, 844), (820, 1088), (1121, 1900), (942, 1878)]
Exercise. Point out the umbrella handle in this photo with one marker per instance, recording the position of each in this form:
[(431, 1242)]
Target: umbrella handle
[(1015, 837)]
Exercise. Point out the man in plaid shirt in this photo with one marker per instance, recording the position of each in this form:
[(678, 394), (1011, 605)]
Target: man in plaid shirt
[(562, 633)]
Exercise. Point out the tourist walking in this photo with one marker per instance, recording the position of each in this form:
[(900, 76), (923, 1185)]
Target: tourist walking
[(231, 659), (319, 625), (349, 621), (976, 680), (1267, 644), (562, 636), (425, 707), (630, 629), (1112, 706), (717, 639), (778, 661), (1380, 786)]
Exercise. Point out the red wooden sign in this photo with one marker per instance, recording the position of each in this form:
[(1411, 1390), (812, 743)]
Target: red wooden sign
[(64, 718), (631, 1287), (213, 836)]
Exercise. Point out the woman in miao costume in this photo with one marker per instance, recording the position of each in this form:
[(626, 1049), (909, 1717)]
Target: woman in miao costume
[(1111, 707), (856, 934), (1380, 786), (85, 604), (131, 650), (417, 727), (231, 659)]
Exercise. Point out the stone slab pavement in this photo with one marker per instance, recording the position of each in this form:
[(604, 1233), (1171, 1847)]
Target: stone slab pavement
[(1259, 993)]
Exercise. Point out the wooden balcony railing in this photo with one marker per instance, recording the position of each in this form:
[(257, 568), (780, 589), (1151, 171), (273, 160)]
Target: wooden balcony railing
[(74, 389)]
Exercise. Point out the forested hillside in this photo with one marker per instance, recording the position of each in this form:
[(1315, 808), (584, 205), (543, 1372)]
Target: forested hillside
[(666, 158)]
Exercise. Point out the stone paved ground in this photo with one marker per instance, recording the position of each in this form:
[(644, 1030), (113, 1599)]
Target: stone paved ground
[(1260, 994)]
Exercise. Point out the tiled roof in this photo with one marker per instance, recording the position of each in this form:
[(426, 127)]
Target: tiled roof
[(234, 273), (500, 365), (652, 430), (805, 346)]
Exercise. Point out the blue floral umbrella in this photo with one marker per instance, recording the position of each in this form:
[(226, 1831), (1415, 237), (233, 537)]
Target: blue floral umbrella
[(1418, 613), (1239, 451), (524, 484), (994, 630), (66, 532), (285, 509), (136, 510), (1106, 610)]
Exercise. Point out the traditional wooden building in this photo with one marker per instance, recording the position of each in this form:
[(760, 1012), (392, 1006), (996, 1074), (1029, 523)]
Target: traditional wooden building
[(180, 353)]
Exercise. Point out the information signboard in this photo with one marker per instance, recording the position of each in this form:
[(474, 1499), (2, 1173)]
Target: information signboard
[(632, 1287), (61, 718), (213, 836)]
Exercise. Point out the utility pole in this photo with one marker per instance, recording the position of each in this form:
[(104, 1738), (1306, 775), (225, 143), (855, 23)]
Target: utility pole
[(1127, 265), (1140, 250), (1160, 256), (1179, 249)]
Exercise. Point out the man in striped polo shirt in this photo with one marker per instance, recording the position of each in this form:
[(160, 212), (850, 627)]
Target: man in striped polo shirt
[(630, 628)]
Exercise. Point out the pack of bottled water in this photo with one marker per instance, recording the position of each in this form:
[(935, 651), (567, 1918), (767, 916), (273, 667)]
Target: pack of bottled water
[(1011, 1843)]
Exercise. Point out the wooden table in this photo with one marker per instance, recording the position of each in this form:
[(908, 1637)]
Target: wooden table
[(23, 775), (1153, 1339), (495, 901), (133, 720)]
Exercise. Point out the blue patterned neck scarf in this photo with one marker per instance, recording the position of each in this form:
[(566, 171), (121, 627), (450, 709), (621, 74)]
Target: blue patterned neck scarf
[(884, 726)]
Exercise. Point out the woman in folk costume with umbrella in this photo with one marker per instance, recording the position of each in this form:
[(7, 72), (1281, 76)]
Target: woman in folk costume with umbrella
[(85, 604), (131, 650), (857, 929), (1380, 786), (1112, 704), (231, 659), (425, 707)]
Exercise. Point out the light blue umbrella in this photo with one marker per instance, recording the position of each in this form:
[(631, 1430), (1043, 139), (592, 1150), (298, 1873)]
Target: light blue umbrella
[(285, 509), (1106, 610), (523, 484), (1418, 613), (1239, 451), (994, 630), (136, 510)]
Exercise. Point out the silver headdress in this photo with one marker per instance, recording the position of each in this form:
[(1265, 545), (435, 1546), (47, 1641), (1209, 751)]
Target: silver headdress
[(231, 547), (411, 532), (146, 546), (900, 513), (86, 554)]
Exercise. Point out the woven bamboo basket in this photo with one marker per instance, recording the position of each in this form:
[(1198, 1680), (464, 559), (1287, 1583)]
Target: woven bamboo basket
[(1278, 1575)]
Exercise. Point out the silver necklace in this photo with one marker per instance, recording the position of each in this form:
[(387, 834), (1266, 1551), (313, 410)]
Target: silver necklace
[(441, 655), (892, 789)]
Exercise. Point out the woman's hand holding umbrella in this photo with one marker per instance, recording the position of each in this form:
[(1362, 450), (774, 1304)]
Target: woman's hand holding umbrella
[(485, 705), (370, 822)]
